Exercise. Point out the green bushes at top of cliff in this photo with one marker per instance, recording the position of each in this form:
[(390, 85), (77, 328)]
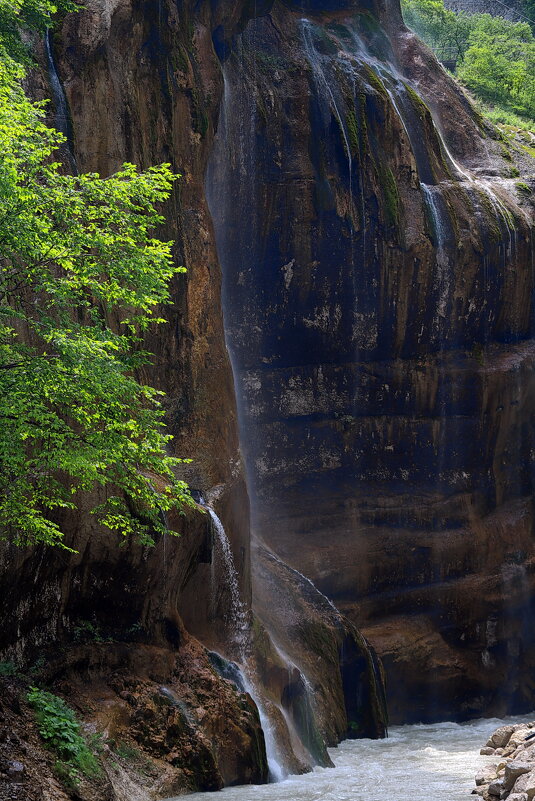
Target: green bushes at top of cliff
[(493, 57), (81, 277)]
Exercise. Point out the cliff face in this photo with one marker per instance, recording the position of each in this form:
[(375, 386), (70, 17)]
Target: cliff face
[(123, 632), (377, 298), (378, 294)]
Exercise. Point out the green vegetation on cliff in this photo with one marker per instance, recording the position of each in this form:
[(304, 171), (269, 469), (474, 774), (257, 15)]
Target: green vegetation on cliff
[(491, 56), (81, 277), (62, 733)]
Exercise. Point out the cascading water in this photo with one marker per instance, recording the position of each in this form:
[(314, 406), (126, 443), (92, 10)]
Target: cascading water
[(443, 284), (224, 563), (240, 640), (417, 763), (325, 92), (62, 118)]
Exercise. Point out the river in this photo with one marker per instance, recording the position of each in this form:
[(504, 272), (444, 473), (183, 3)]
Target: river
[(435, 762)]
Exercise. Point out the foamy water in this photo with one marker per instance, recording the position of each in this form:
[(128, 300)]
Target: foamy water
[(416, 763)]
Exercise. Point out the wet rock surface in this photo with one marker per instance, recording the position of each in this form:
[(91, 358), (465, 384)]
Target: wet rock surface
[(335, 670), (167, 724), (315, 666), (512, 776), (379, 314)]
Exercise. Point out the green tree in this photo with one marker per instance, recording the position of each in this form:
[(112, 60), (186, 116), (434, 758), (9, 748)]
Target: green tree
[(494, 58), (499, 64), (81, 277), (443, 30)]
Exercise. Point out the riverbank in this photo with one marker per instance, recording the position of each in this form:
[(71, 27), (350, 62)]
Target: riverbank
[(512, 775), (416, 763)]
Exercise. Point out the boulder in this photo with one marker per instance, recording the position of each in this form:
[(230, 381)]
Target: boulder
[(526, 784), (496, 787), (513, 771), (486, 774), (500, 737), (487, 751)]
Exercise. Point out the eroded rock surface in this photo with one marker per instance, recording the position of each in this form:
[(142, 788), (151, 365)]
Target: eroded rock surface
[(379, 313), (167, 724), (314, 664)]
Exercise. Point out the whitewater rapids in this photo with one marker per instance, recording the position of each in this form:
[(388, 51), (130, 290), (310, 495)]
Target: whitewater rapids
[(435, 762)]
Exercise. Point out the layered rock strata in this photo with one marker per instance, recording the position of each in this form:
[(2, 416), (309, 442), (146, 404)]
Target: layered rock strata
[(143, 82), (379, 314)]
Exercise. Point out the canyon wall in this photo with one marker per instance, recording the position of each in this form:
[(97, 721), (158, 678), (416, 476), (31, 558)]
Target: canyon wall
[(377, 253), (132, 636), (368, 239)]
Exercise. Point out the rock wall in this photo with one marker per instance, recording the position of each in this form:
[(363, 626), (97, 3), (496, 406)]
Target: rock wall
[(377, 259), (120, 630), (378, 292)]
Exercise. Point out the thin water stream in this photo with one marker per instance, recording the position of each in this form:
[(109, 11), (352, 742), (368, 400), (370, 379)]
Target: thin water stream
[(415, 763)]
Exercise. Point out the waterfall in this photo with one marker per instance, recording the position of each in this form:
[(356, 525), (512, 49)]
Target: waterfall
[(238, 617), (443, 279), (295, 572), (241, 640), (62, 118), (323, 87), (276, 770)]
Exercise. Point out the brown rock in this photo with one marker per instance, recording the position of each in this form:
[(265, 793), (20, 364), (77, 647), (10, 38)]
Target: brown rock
[(486, 774), (513, 770), (500, 737)]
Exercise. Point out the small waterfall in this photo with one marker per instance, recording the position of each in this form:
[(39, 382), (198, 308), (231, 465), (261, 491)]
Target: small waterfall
[(276, 771), (62, 118), (324, 90), (295, 572), (396, 87), (241, 644), (440, 230), (238, 617)]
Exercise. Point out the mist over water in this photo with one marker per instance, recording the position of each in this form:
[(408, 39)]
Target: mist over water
[(435, 762)]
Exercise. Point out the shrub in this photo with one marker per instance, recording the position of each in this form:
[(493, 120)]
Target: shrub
[(61, 732)]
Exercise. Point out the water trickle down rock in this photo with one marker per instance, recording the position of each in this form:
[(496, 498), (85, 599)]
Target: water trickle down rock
[(379, 386), (62, 117), (239, 643)]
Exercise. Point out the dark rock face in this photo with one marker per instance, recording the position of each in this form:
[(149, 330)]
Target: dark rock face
[(316, 666), (143, 83), (104, 629), (379, 313)]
